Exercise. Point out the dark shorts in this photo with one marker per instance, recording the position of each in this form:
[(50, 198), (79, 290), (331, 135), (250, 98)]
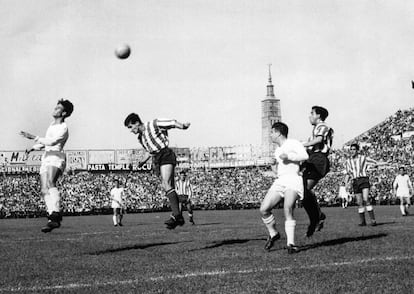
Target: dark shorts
[(183, 199), (163, 157), (316, 167), (360, 183)]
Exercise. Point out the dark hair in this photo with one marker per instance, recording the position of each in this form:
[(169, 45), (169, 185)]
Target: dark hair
[(281, 127), (67, 106), (322, 111), (132, 118), (355, 145)]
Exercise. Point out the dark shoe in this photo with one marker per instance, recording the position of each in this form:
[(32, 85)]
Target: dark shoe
[(311, 230), (271, 241), (50, 226), (321, 222), (291, 249), (173, 222), (362, 224), (191, 220), (115, 225), (120, 224)]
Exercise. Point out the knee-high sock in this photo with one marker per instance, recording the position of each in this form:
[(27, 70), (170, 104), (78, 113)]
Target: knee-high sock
[(114, 218), (290, 231), (370, 210), (402, 208), (270, 223), (54, 199), (48, 203), (174, 203), (361, 212)]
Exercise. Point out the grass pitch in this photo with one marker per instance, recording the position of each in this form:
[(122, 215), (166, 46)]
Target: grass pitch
[(222, 253)]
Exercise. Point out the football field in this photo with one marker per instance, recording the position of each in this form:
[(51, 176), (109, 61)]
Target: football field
[(222, 253)]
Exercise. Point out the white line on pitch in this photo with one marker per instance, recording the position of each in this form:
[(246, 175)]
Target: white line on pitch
[(201, 274)]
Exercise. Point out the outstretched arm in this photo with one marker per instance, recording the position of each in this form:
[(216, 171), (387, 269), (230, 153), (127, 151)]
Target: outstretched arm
[(172, 123), (60, 135)]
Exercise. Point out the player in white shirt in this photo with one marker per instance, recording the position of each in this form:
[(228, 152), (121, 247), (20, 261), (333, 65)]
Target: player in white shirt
[(288, 186), (53, 160), (117, 197), (402, 187), (343, 195)]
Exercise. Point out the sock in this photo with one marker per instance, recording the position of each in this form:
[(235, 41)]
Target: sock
[(290, 231), (54, 199), (48, 203), (361, 212), (114, 219), (370, 210), (174, 203), (270, 223), (120, 218), (402, 208)]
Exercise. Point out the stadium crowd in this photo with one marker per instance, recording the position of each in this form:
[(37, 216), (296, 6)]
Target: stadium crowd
[(226, 188)]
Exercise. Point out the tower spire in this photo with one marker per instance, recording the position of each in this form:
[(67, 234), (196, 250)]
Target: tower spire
[(270, 92)]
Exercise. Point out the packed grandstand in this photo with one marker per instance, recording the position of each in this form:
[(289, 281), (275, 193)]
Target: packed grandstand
[(222, 177)]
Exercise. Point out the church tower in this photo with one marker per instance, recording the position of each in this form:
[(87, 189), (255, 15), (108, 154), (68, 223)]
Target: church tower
[(270, 114)]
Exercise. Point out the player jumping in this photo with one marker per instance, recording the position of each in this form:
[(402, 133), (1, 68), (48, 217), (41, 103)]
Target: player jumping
[(317, 166), (153, 136), (53, 161)]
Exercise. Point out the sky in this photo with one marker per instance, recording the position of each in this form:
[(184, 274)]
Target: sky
[(205, 62)]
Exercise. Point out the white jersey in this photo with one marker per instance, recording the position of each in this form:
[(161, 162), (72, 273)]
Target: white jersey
[(288, 171), (55, 139), (296, 154), (343, 193), (402, 183), (117, 195), (53, 143)]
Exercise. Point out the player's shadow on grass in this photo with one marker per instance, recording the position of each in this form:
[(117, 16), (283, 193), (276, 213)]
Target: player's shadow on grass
[(341, 241), (385, 223), (227, 242), (207, 224), (134, 247)]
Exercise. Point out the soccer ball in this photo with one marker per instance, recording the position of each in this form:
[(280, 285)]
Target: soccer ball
[(123, 52)]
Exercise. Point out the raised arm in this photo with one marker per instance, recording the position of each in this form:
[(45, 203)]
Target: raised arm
[(171, 123)]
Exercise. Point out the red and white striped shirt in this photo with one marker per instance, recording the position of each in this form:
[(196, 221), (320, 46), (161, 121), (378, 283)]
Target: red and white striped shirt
[(154, 137), (184, 188), (322, 130), (357, 167)]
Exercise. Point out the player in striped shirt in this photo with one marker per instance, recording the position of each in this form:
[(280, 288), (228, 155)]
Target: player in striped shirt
[(53, 161), (185, 193), (153, 136), (356, 170), (317, 166)]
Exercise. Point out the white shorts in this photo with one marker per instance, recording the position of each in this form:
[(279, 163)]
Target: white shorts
[(116, 205), (57, 159), (344, 196), (291, 182)]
